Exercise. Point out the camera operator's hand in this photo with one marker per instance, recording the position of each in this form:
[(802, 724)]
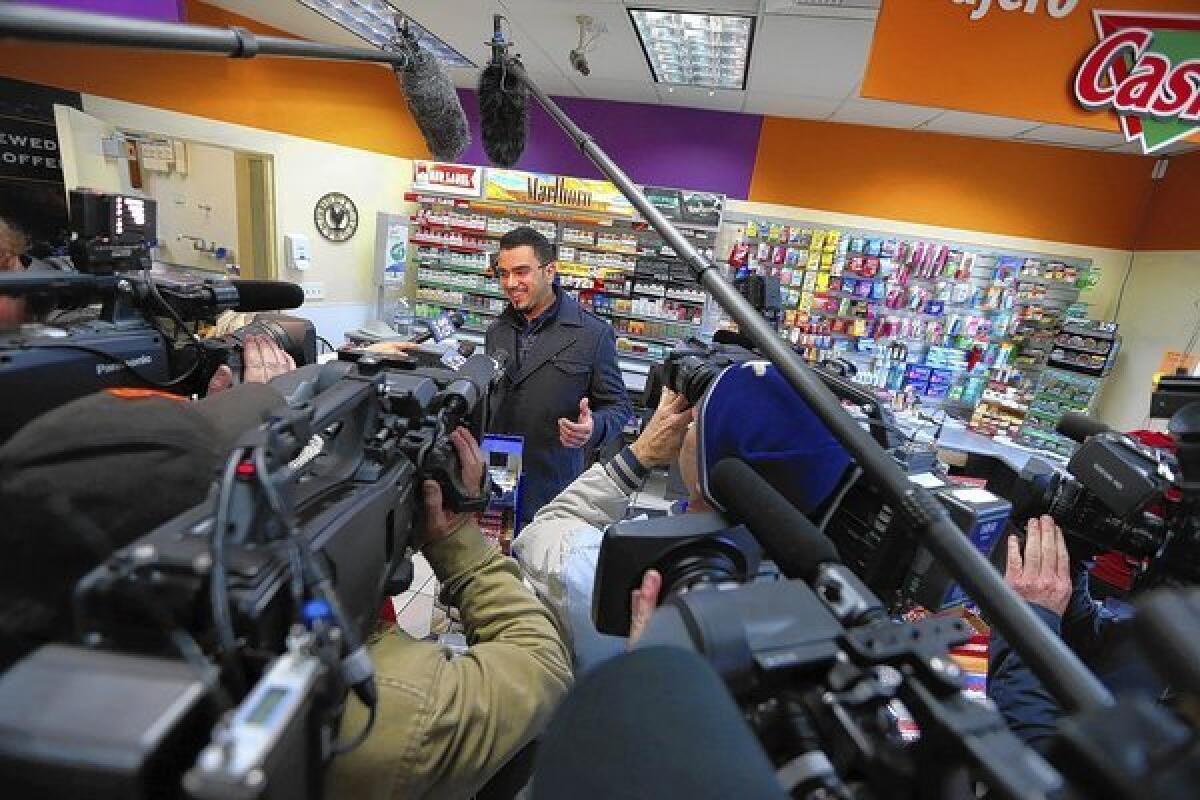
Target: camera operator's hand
[(659, 442), (642, 603), (262, 360), (1043, 576), (438, 521), (12, 309)]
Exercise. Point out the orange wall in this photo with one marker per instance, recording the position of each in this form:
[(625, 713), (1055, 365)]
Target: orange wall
[(1053, 193), (1041, 192), (356, 105), (1174, 220)]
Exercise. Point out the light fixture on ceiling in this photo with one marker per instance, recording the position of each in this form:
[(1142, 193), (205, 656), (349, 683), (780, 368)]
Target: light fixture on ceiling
[(695, 49), (375, 21)]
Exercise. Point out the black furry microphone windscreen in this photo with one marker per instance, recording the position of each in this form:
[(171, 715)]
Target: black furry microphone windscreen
[(434, 103), (503, 114)]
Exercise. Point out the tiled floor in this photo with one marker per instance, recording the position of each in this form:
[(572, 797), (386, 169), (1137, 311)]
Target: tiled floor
[(414, 608)]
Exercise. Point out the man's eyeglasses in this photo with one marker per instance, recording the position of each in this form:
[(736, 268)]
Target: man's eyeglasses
[(520, 273)]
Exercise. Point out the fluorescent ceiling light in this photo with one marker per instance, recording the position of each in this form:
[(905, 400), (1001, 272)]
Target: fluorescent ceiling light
[(683, 47), (375, 21)]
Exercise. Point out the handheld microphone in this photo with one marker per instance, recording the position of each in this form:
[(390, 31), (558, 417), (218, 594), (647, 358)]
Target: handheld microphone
[(432, 100), (791, 540), (503, 104), (440, 328), (471, 383), (1078, 427), (267, 295)]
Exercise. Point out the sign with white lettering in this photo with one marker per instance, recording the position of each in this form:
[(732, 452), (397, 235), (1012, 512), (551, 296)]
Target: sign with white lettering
[(32, 196), (460, 180), (1108, 65), (29, 151)]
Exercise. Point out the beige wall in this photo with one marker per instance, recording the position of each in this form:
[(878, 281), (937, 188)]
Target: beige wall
[(1160, 309), (304, 170), (201, 203)]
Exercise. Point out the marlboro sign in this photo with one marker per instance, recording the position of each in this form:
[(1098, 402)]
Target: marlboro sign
[(460, 180), (1146, 70)]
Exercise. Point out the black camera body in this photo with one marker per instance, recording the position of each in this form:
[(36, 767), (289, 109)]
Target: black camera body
[(127, 343), (1117, 494), (310, 534)]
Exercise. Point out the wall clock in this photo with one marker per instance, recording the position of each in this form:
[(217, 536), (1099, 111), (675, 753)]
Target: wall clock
[(336, 217)]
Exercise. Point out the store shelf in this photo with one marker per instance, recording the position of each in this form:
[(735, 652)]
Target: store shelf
[(449, 287), (445, 226), (452, 267), (595, 248), (1000, 402), (456, 307), (1076, 349), (645, 318), (459, 248), (642, 293), (641, 357)]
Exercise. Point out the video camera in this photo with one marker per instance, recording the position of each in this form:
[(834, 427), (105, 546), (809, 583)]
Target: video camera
[(873, 538), (145, 332), (1117, 494), (824, 673), (218, 649)]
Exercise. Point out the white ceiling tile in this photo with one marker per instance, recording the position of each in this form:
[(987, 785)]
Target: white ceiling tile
[(711, 6), (962, 123), (550, 27), (693, 97), (628, 91), (556, 84), (879, 112), (791, 105), (812, 57), (1078, 137)]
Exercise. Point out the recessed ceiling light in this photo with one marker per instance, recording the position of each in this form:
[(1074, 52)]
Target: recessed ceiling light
[(375, 21), (695, 49)]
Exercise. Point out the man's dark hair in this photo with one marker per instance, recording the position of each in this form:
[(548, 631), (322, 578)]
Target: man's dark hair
[(526, 236)]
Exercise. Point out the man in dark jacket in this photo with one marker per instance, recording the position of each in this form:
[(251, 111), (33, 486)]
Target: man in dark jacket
[(1057, 588), (563, 390)]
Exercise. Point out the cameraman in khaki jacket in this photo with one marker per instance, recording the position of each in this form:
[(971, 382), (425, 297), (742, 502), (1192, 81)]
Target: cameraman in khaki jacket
[(446, 725)]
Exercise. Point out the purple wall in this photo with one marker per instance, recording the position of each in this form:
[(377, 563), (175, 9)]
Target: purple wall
[(684, 148), (161, 10)]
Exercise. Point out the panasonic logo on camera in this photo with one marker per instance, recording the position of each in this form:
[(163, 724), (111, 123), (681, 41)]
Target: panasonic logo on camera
[(140, 361), (1108, 476)]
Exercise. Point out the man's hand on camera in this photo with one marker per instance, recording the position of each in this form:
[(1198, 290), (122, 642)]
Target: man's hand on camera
[(12, 309), (438, 521), (642, 603), (663, 435), (1043, 576), (262, 360)]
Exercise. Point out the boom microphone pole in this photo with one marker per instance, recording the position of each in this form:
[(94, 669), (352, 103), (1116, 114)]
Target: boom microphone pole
[(1073, 686), (78, 27), (428, 90)]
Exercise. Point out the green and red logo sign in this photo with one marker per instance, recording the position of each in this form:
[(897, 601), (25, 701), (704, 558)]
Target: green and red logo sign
[(1145, 69)]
